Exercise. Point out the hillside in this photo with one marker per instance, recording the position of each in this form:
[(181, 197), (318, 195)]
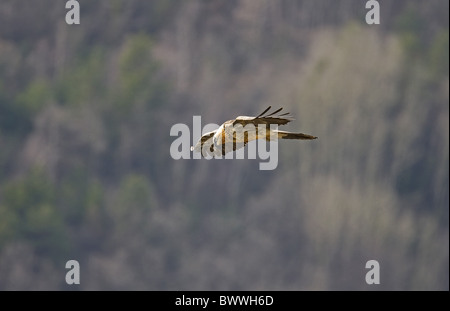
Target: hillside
[(86, 173)]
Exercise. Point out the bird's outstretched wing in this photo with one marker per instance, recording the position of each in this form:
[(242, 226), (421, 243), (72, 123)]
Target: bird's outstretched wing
[(206, 138), (265, 118)]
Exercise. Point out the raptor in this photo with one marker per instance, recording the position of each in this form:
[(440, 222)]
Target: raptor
[(237, 133)]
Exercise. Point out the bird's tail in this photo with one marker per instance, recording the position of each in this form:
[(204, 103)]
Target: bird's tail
[(289, 135)]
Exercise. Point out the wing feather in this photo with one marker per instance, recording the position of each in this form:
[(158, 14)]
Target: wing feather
[(261, 114), (205, 137), (271, 118), (275, 112)]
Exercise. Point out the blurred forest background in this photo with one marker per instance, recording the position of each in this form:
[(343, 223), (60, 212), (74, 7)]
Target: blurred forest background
[(86, 173)]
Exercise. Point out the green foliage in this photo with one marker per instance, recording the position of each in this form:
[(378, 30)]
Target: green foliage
[(439, 54), (409, 26), (35, 96), (433, 51), (137, 69), (80, 197), (94, 202), (34, 189), (29, 212), (135, 193), (85, 81), (14, 119), (133, 205), (43, 227), (8, 224)]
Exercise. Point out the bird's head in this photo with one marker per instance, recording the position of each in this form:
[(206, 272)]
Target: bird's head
[(197, 147)]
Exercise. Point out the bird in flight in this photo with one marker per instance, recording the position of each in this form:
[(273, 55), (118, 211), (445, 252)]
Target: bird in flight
[(235, 134)]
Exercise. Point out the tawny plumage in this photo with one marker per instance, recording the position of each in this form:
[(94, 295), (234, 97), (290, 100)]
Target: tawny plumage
[(235, 134)]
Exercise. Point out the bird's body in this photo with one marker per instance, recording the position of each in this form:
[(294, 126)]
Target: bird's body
[(235, 134)]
